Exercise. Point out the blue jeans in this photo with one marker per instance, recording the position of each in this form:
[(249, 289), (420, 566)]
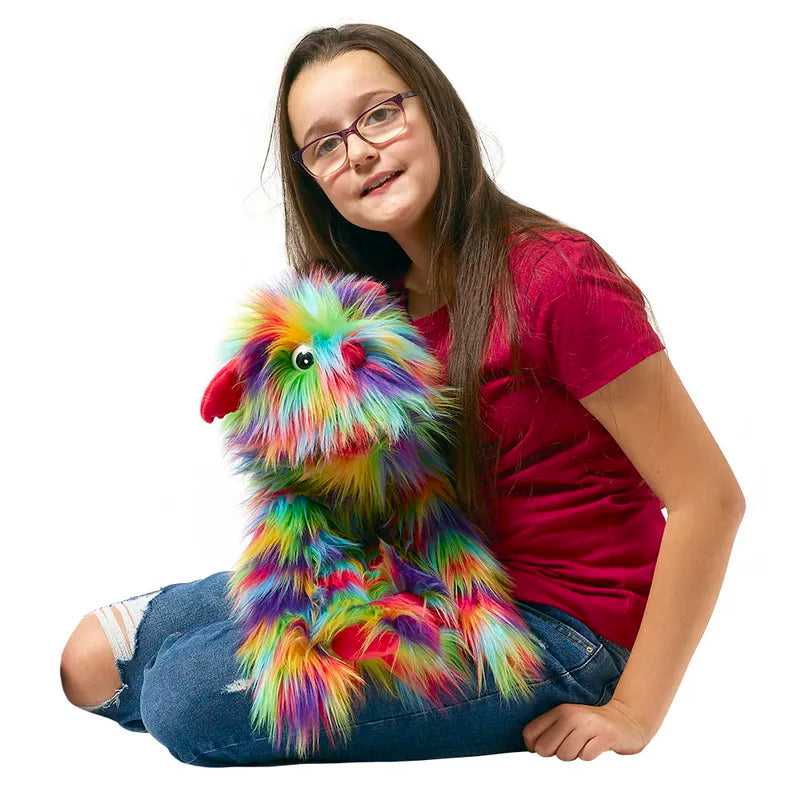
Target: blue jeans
[(182, 686)]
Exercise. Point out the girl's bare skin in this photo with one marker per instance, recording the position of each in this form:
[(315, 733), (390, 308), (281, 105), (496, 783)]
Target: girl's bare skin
[(89, 674)]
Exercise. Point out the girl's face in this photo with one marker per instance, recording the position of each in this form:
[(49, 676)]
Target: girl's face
[(330, 92)]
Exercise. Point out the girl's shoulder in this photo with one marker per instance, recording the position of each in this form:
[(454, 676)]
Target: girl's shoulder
[(548, 261), (528, 247)]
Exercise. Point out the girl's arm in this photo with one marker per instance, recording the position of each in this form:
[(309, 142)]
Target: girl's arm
[(689, 571), (650, 415)]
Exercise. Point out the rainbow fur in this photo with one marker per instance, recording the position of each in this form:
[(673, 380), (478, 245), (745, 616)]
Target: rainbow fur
[(336, 412)]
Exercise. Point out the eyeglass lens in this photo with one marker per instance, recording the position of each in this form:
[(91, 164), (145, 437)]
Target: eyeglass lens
[(381, 124)]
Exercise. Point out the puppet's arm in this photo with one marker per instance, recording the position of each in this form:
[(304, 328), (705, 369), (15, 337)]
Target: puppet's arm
[(444, 541), (299, 685)]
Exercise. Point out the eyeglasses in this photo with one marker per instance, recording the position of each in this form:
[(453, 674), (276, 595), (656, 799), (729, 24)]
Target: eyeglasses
[(378, 124)]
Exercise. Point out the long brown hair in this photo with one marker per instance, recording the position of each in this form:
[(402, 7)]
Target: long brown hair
[(471, 219)]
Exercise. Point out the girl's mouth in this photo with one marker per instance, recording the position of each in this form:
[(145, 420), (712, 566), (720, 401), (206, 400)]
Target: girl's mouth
[(383, 186)]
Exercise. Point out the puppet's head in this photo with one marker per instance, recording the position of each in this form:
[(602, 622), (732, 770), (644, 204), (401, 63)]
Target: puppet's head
[(328, 370)]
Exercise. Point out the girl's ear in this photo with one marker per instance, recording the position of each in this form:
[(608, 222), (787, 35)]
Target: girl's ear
[(223, 395)]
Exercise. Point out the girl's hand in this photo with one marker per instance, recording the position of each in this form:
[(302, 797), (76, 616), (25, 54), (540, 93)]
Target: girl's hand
[(572, 731)]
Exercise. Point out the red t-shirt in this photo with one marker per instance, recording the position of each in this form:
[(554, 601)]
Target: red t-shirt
[(575, 525)]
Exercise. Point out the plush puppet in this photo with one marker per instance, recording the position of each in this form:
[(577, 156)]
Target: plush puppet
[(360, 565)]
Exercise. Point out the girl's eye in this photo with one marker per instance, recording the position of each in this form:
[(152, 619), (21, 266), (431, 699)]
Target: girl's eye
[(302, 357), (328, 146), (388, 112)]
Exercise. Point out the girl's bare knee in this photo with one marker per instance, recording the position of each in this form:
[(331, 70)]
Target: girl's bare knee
[(89, 674)]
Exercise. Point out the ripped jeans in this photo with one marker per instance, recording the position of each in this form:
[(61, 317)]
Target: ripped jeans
[(180, 683)]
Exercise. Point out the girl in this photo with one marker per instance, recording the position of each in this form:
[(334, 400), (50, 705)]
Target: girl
[(575, 432)]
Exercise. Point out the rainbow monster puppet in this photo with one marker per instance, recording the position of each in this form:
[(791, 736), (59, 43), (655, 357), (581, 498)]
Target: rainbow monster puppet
[(359, 564)]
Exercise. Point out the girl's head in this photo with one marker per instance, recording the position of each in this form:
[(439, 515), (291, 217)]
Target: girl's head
[(327, 219), (327, 96), (444, 205)]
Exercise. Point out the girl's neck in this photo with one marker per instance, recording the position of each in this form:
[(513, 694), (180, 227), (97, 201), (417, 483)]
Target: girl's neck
[(416, 280)]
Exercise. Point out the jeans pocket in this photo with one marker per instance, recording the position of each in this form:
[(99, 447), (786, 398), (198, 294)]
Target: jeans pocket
[(560, 624), (594, 663)]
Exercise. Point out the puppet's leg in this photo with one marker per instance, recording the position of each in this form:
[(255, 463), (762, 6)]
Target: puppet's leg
[(444, 541), (405, 638), (299, 686)]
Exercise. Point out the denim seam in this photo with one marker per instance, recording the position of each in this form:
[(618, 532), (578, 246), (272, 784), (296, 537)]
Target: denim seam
[(612, 683), (355, 727), (567, 632)]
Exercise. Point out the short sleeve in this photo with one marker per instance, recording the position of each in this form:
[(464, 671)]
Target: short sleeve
[(596, 320)]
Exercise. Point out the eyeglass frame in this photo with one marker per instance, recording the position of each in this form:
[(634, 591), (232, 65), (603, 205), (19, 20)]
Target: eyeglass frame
[(398, 98)]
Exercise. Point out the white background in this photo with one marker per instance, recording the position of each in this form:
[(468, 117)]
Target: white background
[(133, 138)]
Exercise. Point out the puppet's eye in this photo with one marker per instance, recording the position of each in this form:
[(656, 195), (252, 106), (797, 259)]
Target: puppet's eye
[(302, 357)]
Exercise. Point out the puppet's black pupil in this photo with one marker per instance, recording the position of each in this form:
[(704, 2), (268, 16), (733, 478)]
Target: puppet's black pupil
[(304, 359)]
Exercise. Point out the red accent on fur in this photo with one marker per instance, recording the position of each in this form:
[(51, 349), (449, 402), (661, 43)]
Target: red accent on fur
[(353, 354), (348, 642), (223, 394), (339, 580), (404, 598), (401, 599), (369, 286)]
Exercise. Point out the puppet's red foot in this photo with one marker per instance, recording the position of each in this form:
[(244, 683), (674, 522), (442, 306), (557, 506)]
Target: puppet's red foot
[(349, 644)]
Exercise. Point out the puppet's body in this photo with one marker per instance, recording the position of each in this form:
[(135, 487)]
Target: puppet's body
[(360, 564)]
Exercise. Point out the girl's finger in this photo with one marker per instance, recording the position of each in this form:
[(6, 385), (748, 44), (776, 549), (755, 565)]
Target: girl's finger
[(534, 729), (572, 745)]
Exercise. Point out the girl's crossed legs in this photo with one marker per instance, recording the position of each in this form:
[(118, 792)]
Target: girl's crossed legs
[(182, 685)]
